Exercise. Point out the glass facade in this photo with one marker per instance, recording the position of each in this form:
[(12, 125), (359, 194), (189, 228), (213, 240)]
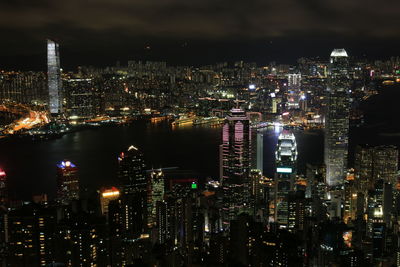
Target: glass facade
[(235, 164), (286, 158), (54, 78), (337, 118), (68, 182)]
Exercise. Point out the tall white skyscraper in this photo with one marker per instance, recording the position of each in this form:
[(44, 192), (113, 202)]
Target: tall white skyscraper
[(54, 78), (286, 160), (337, 118)]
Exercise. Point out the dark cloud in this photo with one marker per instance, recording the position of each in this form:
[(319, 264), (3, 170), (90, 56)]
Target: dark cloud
[(209, 18), (108, 23)]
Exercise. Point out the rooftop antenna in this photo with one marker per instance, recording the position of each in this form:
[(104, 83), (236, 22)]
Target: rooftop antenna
[(237, 100)]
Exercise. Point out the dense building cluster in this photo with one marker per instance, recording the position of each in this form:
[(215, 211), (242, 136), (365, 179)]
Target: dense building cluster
[(154, 87), (324, 214)]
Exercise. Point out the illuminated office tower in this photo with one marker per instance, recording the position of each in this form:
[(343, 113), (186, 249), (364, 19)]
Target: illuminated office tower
[(3, 188), (337, 118), (260, 152), (257, 150), (255, 190), (156, 194), (133, 185), (373, 163), (296, 211), (294, 90), (3, 212), (107, 195), (68, 182), (379, 205), (286, 157), (351, 201), (363, 166), (235, 165), (386, 163), (162, 221), (54, 78)]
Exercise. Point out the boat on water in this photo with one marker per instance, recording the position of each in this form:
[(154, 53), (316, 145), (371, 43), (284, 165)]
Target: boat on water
[(208, 120), (183, 121)]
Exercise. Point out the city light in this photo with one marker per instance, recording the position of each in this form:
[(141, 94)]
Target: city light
[(66, 164), (111, 193), (264, 168), (283, 170), (132, 148)]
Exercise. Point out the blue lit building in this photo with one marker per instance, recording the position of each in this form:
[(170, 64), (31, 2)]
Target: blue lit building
[(68, 182)]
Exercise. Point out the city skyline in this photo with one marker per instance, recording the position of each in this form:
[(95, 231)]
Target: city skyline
[(199, 133), (198, 52), (194, 33), (263, 127)]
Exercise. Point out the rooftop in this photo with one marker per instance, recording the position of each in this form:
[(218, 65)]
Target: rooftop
[(339, 53)]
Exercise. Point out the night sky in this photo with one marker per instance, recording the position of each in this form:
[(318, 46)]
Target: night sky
[(194, 32)]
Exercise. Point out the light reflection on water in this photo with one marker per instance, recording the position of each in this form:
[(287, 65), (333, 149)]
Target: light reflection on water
[(31, 166)]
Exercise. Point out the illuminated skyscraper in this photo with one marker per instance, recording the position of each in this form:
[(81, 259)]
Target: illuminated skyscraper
[(373, 163), (255, 189), (337, 118), (3, 213), (54, 78), (133, 185), (3, 188), (257, 150), (294, 83), (156, 193), (286, 157), (68, 182), (235, 165), (107, 195)]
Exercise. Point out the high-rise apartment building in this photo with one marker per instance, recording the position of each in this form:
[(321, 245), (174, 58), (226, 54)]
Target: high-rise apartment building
[(81, 97), (24, 87)]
